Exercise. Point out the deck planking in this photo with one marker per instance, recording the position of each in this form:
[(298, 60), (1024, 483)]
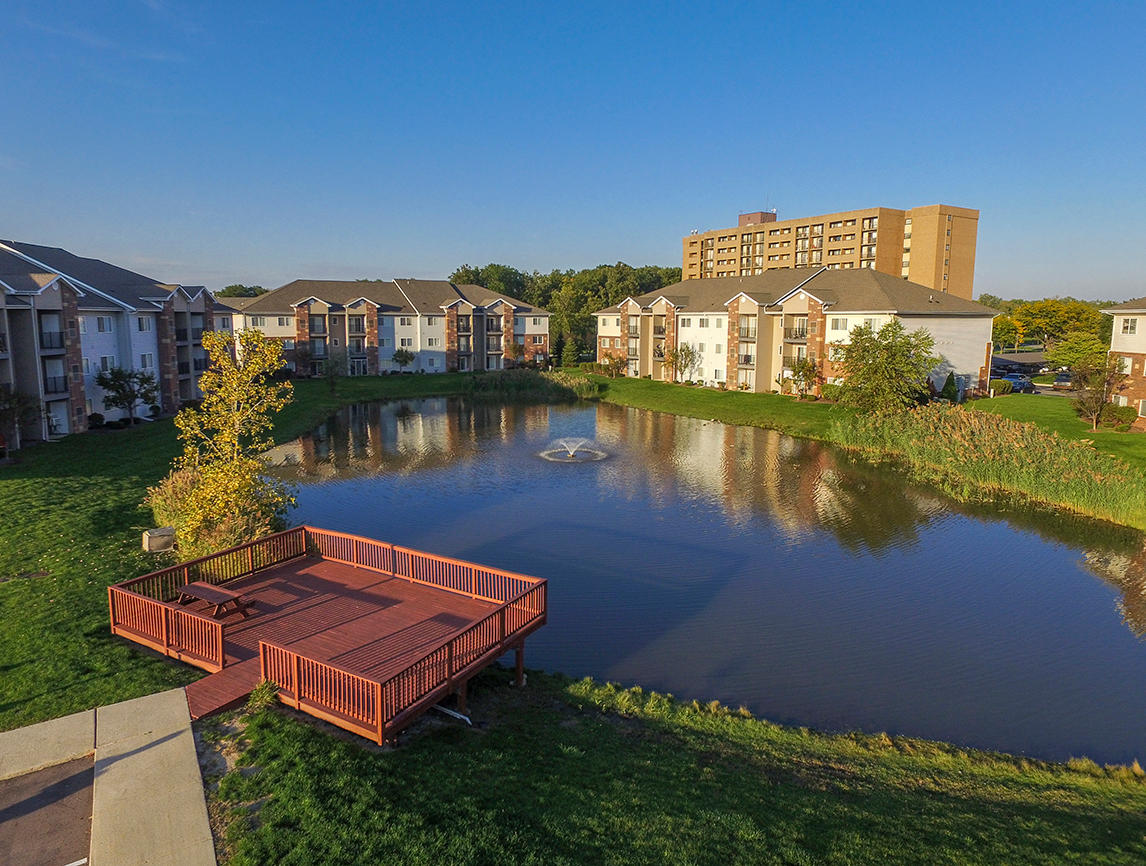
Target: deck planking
[(359, 620)]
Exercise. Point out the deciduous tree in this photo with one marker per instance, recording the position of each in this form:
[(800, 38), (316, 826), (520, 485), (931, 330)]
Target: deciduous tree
[(886, 370), (237, 290), (403, 358), (126, 389)]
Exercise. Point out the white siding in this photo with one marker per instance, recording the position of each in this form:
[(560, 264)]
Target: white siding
[(1136, 342), (711, 341)]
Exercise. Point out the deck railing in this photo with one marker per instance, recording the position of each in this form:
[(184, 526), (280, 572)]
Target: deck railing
[(142, 609), (454, 575), (379, 709)]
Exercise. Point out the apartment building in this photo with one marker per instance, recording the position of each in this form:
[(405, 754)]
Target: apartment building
[(362, 323), (64, 318), (749, 332), (933, 246), (1129, 341)]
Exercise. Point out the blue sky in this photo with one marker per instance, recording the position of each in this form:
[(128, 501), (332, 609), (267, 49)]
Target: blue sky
[(240, 142)]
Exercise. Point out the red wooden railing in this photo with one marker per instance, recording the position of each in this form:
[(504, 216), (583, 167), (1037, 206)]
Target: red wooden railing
[(141, 609), (378, 709)]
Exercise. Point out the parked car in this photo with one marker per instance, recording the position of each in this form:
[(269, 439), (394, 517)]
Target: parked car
[(1020, 384), (1063, 382)]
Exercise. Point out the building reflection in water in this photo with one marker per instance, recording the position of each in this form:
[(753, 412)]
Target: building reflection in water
[(801, 486)]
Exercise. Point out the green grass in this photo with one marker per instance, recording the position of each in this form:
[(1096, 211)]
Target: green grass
[(575, 772), (787, 414), (1057, 415)]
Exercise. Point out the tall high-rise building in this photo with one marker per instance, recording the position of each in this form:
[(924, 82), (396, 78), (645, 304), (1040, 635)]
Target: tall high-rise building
[(933, 245)]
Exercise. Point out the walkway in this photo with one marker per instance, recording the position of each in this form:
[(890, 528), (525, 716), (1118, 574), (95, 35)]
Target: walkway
[(148, 805)]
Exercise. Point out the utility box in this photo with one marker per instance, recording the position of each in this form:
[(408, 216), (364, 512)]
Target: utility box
[(158, 540)]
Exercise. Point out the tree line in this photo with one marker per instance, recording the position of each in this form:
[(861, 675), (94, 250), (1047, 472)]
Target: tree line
[(1047, 320), (571, 296)]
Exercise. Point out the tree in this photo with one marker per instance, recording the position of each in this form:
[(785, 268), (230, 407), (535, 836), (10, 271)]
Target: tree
[(403, 358), (1096, 373), (1006, 329), (514, 352), (237, 290), (334, 368), (805, 374), (570, 352), (218, 494), (950, 391), (681, 360), (615, 365), (126, 389), (16, 410), (997, 303), (1052, 318), (886, 371)]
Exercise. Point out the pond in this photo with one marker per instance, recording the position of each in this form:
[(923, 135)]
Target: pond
[(738, 564)]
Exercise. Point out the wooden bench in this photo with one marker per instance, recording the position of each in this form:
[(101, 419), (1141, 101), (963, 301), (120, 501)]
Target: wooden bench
[(215, 595)]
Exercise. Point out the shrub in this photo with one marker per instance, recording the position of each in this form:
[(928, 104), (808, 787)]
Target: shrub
[(1001, 387), (831, 392), (1114, 416), (95, 419), (154, 411)]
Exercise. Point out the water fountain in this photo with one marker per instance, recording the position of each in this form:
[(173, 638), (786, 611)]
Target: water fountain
[(571, 449)]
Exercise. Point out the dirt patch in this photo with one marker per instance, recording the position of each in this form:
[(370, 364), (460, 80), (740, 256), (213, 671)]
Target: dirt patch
[(25, 574), (219, 742)]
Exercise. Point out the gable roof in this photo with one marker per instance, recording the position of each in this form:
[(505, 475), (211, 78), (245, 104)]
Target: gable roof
[(1137, 305), (858, 290)]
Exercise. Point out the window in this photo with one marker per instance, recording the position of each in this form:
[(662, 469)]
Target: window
[(106, 362), (1130, 326), (356, 324), (143, 323), (718, 374), (288, 344), (869, 323), (1127, 364), (404, 321), (430, 362), (718, 348), (618, 321), (539, 339), (383, 342), (519, 339), (147, 361), (686, 323), (103, 324), (433, 342), (704, 323), (537, 320), (720, 323), (258, 321), (84, 328), (406, 342), (839, 324), (225, 323), (518, 322), (87, 369), (700, 347), (1142, 408), (286, 321), (432, 320)]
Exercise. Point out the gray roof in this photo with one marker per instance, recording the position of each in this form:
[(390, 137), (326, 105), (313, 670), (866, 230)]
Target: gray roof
[(842, 291), (1137, 305), (128, 287), (21, 276), (426, 297)]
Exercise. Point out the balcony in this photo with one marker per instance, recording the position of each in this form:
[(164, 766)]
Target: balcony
[(196, 334), (199, 365), (493, 344), (464, 345), (634, 331), (747, 333), (464, 327), (181, 335), (357, 349), (658, 330), (633, 352), (796, 334), (790, 360), (746, 360), (51, 339), (55, 384), (184, 368)]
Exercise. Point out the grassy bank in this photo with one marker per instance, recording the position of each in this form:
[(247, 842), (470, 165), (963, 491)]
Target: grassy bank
[(1099, 475), (577, 772)]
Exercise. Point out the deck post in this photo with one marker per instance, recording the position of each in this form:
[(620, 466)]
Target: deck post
[(250, 559), (519, 663), (378, 712), (296, 676), (166, 636)]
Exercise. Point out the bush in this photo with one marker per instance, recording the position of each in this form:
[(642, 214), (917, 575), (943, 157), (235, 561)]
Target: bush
[(831, 391), (154, 411), (1114, 416), (1001, 387), (95, 419)]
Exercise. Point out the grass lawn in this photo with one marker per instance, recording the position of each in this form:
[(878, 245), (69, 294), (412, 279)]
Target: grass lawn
[(800, 418), (1057, 414), (575, 772)]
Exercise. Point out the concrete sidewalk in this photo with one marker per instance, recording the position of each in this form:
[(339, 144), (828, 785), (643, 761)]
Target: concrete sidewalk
[(148, 805)]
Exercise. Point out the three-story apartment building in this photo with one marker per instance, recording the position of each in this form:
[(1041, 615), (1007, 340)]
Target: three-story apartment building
[(361, 324), (748, 333), (64, 318), (1128, 341)]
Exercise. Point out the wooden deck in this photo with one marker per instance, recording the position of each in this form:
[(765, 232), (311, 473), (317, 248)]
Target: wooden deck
[(368, 646)]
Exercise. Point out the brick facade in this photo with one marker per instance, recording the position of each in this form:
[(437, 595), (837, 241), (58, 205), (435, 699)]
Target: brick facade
[(73, 359), (670, 339), (452, 339), (817, 334), (371, 339), (507, 319), (732, 376), (533, 350), (168, 359), (1134, 388), (302, 339)]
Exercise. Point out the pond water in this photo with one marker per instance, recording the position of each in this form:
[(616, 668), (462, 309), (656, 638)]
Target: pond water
[(714, 561)]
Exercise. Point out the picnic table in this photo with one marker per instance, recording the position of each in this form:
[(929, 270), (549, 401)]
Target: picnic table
[(215, 595)]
